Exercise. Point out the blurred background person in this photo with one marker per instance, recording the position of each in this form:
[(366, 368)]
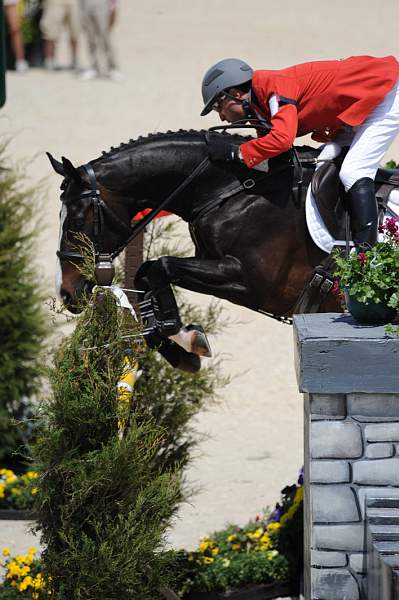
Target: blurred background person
[(113, 12), (56, 14), (97, 18), (16, 39)]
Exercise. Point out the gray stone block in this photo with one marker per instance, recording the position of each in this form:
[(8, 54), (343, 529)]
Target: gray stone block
[(327, 406), (329, 471), (334, 504), (373, 407), (358, 562), (382, 450), (328, 559), (374, 492), (333, 584), (384, 471), (349, 538), (335, 440), (384, 432), (334, 354)]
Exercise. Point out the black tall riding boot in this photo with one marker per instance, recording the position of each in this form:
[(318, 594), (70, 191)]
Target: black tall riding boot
[(363, 214)]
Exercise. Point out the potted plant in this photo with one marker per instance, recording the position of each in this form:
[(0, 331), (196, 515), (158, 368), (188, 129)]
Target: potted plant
[(369, 280), (260, 561)]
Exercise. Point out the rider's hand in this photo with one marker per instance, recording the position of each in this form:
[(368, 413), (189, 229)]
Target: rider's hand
[(221, 150)]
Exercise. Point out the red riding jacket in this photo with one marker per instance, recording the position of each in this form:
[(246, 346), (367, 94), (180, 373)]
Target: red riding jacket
[(318, 98)]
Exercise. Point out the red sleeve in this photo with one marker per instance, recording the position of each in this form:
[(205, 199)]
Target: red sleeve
[(280, 138)]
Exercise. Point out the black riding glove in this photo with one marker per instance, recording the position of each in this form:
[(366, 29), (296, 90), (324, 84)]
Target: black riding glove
[(219, 150)]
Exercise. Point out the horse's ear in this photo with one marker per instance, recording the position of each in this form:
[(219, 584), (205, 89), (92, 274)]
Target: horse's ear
[(57, 166), (71, 171)]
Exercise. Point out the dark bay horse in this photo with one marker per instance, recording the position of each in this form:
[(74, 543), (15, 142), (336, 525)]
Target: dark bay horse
[(252, 243)]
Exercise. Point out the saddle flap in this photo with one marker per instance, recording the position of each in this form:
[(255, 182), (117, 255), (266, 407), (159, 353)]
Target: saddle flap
[(326, 189)]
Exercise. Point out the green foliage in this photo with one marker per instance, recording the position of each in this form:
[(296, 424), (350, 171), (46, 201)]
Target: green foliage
[(22, 320), (373, 275), (391, 164), (239, 571)]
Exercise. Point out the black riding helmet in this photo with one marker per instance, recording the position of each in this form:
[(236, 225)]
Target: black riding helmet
[(225, 74)]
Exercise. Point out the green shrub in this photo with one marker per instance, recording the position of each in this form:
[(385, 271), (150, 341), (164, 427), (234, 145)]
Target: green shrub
[(22, 320), (103, 502)]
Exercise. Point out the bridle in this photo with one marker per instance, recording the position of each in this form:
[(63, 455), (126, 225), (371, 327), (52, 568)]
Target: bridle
[(102, 213)]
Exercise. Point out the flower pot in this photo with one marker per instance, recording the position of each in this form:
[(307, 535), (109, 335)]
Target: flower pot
[(370, 313), (267, 591)]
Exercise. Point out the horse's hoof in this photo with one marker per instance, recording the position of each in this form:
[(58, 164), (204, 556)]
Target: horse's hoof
[(199, 342)]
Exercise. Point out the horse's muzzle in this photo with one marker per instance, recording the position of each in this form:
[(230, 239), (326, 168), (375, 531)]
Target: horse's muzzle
[(74, 303)]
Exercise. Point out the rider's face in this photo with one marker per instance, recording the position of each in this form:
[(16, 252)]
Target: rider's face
[(230, 106)]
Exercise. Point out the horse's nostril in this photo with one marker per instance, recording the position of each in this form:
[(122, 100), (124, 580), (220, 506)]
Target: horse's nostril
[(65, 297)]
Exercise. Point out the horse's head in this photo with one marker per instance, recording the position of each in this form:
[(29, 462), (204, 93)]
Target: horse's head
[(80, 215)]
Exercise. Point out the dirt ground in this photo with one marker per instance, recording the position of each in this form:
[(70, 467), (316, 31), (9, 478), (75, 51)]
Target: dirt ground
[(255, 434)]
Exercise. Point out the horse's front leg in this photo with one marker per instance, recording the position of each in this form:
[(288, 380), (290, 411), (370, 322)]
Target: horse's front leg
[(220, 277), (160, 312)]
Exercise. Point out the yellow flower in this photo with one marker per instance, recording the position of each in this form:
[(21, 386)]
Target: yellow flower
[(203, 546), (273, 526), (25, 583), (16, 491), (208, 559), (32, 550), (231, 537), (236, 546), (265, 542), (32, 474), (6, 552), (2, 490), (25, 570), (34, 491)]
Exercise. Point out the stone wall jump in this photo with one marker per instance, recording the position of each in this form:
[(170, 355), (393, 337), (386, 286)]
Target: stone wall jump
[(350, 378)]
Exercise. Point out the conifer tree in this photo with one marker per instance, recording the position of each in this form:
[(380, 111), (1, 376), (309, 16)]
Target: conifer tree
[(22, 321)]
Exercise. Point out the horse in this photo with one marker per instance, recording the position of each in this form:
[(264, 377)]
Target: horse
[(252, 245)]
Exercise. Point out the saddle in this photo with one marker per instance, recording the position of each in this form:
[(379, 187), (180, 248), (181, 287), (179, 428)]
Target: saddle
[(330, 195)]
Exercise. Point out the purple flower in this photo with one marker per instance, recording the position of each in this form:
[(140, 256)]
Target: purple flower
[(300, 478), (276, 514)]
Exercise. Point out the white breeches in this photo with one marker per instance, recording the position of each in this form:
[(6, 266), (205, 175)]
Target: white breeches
[(372, 139)]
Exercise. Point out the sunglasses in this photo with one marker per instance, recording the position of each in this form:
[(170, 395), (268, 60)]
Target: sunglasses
[(217, 105)]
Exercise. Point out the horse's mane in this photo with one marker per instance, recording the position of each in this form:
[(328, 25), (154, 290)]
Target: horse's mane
[(189, 135)]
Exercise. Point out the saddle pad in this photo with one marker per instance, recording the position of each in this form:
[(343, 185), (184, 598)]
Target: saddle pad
[(318, 231)]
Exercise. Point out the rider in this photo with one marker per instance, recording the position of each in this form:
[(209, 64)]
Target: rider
[(329, 99)]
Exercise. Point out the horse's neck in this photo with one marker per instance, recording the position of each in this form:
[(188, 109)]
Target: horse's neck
[(145, 176)]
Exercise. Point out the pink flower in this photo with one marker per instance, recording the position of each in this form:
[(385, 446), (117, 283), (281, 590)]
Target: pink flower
[(381, 228), (392, 226), (336, 290), (362, 258)]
